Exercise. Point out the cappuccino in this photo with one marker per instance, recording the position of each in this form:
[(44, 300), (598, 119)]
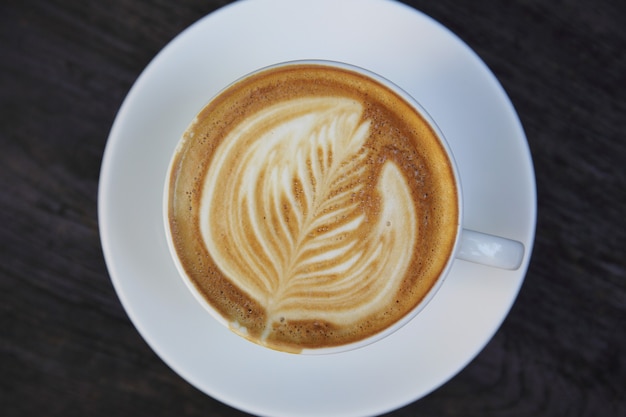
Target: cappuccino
[(311, 206)]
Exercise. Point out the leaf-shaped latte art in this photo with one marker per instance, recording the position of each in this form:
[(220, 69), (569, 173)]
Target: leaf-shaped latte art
[(308, 234)]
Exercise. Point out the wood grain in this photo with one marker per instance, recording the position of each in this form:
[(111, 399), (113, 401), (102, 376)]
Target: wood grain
[(66, 345)]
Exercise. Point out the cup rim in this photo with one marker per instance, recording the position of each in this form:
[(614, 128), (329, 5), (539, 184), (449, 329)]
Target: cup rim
[(416, 105)]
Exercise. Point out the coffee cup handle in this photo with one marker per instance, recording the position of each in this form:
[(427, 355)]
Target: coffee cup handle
[(490, 250)]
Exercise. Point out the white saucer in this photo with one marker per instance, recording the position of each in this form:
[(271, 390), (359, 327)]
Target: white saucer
[(397, 42)]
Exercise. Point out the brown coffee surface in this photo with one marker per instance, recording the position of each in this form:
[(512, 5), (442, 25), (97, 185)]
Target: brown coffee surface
[(311, 206)]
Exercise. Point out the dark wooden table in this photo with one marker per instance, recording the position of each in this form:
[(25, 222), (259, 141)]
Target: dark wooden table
[(67, 347)]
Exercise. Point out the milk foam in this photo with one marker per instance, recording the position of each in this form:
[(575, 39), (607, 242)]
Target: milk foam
[(291, 214)]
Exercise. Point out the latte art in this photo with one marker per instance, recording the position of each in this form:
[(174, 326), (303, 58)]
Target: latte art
[(311, 206), (285, 213)]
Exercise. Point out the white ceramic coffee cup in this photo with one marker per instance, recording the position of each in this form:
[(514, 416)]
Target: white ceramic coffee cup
[(470, 245)]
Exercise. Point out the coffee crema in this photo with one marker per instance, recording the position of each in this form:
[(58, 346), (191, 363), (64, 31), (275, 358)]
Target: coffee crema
[(311, 206)]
